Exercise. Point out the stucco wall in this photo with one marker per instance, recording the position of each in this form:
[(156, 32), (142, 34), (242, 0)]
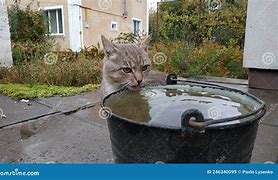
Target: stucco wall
[(96, 19), (100, 23), (261, 40), (5, 42)]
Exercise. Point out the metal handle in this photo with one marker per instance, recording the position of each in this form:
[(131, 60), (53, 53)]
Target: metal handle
[(190, 126), (171, 79)]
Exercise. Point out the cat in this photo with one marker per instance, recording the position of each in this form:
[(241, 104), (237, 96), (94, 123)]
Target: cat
[(128, 66)]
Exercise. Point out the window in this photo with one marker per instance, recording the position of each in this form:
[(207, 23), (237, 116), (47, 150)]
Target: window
[(114, 26), (136, 26), (54, 16)]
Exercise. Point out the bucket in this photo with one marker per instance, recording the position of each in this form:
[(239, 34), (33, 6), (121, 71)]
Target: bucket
[(183, 122)]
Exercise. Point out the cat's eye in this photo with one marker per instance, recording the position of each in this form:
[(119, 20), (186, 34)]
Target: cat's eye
[(144, 68), (127, 70)]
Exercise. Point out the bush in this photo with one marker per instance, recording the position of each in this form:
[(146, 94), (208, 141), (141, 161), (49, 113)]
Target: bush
[(30, 52), (196, 21), (61, 69), (175, 55), (28, 34), (209, 59), (124, 38), (26, 24), (212, 59)]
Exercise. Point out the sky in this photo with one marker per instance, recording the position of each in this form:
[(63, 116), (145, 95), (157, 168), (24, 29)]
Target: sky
[(153, 3)]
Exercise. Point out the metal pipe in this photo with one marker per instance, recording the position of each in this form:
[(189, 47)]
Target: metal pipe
[(125, 14)]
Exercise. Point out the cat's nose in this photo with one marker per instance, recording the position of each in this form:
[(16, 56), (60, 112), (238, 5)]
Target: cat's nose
[(139, 82)]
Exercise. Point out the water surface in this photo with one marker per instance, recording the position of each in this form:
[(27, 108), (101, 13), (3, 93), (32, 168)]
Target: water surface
[(165, 105)]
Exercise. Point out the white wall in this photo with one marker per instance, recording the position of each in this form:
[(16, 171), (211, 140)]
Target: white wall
[(261, 41), (5, 42)]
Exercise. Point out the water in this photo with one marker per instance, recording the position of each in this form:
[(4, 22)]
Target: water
[(164, 106)]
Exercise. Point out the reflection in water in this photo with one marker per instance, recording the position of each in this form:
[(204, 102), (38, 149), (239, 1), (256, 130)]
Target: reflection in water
[(164, 106), (131, 105)]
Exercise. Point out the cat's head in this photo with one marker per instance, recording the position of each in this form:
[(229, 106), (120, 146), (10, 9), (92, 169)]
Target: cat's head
[(125, 65)]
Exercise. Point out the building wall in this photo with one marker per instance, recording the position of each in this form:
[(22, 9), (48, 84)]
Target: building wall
[(97, 23), (96, 18), (5, 42), (261, 42)]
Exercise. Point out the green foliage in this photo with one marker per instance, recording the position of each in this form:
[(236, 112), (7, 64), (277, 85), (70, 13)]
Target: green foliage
[(196, 21), (28, 34), (212, 59), (62, 69), (36, 61), (175, 53), (200, 37), (29, 91), (26, 24), (124, 38), (209, 59), (30, 52)]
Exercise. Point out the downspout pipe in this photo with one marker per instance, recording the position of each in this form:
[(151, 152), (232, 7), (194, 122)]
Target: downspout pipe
[(125, 14)]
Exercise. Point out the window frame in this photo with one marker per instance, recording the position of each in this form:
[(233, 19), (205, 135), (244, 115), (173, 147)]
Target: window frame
[(140, 25), (116, 23), (47, 9)]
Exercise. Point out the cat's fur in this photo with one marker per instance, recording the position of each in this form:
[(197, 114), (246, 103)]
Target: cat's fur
[(120, 59)]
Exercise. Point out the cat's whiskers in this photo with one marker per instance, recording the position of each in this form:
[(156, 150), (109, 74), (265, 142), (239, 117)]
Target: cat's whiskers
[(124, 86)]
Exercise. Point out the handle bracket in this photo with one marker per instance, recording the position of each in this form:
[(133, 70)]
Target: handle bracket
[(190, 126)]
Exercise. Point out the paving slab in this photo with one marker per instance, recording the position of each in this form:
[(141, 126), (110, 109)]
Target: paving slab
[(270, 97), (17, 111), (90, 115), (59, 139), (71, 103), (266, 145)]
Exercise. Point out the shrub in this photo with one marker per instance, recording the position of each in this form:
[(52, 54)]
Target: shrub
[(123, 38), (64, 69), (197, 21), (26, 24), (28, 34), (209, 59), (175, 54), (30, 52), (212, 59)]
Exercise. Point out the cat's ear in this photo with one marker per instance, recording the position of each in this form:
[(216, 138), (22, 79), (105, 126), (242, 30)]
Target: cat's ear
[(109, 47), (145, 43)]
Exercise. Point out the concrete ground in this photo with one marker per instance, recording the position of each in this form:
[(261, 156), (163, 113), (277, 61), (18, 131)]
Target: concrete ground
[(69, 130)]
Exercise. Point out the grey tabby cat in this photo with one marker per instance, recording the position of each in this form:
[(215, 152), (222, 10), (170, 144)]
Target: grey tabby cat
[(128, 66)]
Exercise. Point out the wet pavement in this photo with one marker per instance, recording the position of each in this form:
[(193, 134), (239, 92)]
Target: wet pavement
[(69, 130)]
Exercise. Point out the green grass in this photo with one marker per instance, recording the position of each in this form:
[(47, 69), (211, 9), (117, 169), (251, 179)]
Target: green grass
[(29, 91)]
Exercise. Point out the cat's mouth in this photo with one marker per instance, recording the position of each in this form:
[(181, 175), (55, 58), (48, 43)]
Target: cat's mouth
[(136, 88)]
